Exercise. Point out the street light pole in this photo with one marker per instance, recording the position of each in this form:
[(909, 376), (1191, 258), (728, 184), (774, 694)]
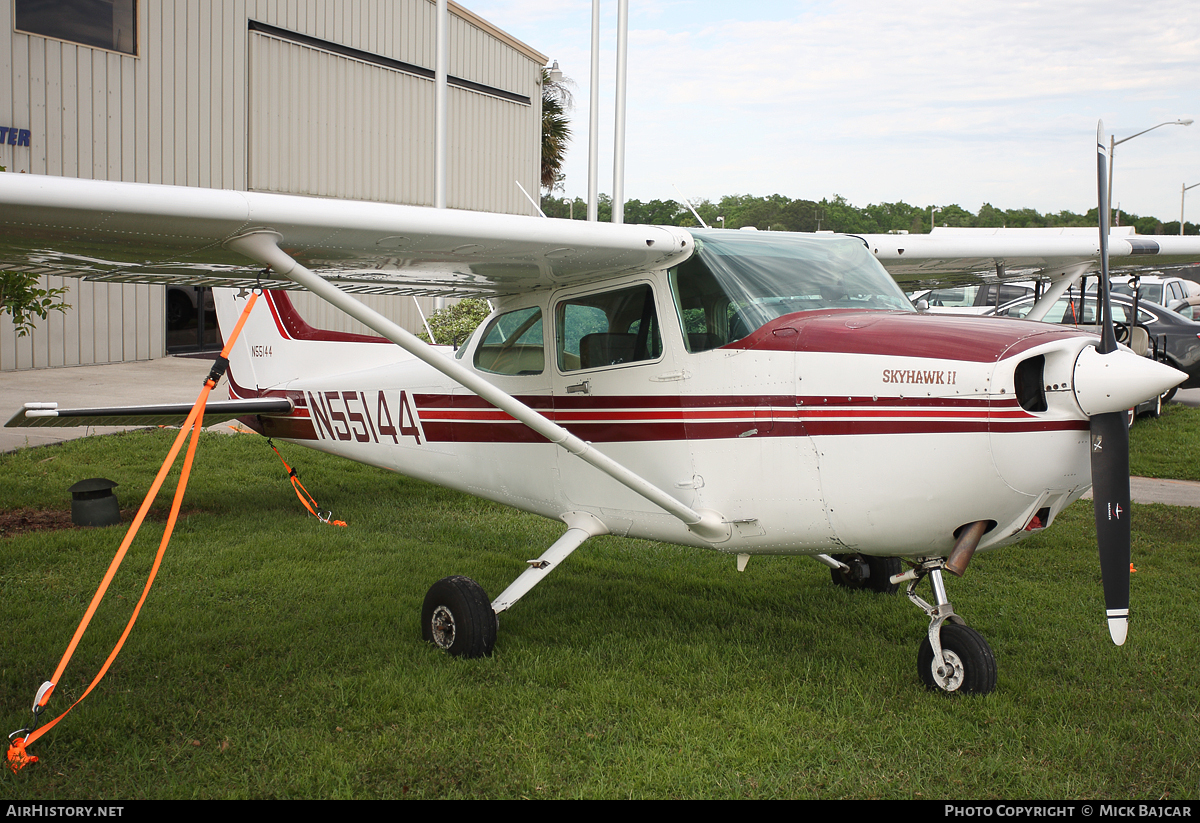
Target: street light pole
[(1113, 143), (1182, 193), (593, 203), (618, 200)]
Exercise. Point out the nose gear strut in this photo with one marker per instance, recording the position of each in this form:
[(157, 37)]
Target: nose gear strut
[(953, 657)]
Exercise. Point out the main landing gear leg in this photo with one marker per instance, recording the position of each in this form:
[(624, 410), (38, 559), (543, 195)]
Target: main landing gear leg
[(952, 657), (457, 617)]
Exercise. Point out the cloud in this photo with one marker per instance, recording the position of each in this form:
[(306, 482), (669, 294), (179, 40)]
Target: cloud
[(877, 100)]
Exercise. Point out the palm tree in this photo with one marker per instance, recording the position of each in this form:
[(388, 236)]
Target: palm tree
[(556, 129)]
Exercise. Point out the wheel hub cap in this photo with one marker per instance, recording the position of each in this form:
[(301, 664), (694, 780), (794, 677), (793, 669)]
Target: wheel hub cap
[(443, 627), (949, 675)]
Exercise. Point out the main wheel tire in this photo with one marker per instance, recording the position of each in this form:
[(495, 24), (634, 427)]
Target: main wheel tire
[(867, 572), (457, 617), (970, 667)]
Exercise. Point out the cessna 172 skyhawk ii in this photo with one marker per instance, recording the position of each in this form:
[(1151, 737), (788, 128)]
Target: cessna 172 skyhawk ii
[(752, 393)]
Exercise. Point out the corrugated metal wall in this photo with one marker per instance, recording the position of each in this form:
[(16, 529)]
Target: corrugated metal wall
[(206, 102)]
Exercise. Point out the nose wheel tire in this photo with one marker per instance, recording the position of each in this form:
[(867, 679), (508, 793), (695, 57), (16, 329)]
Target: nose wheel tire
[(866, 572), (967, 667), (457, 617)]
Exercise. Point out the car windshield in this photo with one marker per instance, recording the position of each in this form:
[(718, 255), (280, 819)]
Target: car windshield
[(977, 294), (738, 281), (1152, 291), (1066, 310), (1071, 311)]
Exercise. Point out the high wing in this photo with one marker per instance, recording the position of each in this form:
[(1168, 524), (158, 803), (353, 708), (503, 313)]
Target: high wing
[(957, 255), (143, 233)]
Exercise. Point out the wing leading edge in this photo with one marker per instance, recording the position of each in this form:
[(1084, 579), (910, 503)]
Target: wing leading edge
[(143, 233)]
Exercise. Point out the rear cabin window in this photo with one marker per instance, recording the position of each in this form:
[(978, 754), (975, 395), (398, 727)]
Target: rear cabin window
[(512, 344)]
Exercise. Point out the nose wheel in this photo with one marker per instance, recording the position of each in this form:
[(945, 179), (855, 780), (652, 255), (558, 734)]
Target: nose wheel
[(967, 663), (953, 657)]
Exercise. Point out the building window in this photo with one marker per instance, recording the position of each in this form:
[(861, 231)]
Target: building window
[(104, 24)]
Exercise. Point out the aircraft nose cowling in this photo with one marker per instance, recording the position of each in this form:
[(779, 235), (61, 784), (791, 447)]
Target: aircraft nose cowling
[(1119, 380)]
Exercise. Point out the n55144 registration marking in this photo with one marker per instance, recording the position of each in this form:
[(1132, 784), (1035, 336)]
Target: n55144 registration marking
[(348, 415)]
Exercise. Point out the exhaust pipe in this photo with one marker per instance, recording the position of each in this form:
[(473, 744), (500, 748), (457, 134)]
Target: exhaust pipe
[(964, 549)]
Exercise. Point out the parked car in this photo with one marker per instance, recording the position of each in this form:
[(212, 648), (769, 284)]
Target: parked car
[(1188, 307), (972, 298), (1153, 287), (1174, 339)]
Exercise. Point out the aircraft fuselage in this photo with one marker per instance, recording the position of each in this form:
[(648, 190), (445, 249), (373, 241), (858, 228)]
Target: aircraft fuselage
[(828, 429)]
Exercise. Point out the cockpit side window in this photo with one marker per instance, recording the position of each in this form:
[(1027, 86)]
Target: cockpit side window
[(607, 329), (703, 307), (512, 344)]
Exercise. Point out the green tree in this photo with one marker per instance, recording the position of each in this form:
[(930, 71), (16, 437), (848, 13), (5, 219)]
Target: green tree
[(556, 129), (1149, 225), (563, 208), (453, 324), (800, 215), (990, 217), (653, 212), (25, 301), (843, 217)]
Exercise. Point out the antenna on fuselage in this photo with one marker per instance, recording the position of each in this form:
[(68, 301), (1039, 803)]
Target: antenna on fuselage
[(687, 203), (424, 320)]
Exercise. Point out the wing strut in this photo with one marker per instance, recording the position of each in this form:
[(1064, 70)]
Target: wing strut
[(262, 246), (1056, 290)]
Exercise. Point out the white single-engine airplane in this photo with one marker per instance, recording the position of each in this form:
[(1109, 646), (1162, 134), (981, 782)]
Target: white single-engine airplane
[(752, 393)]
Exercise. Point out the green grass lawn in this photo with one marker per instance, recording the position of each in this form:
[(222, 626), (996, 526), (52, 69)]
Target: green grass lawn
[(1167, 447), (280, 657)]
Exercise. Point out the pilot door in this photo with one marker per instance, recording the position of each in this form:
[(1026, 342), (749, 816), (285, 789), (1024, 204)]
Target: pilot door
[(616, 386)]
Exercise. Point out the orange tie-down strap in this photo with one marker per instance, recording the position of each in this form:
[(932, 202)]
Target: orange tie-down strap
[(20, 740), (307, 499)]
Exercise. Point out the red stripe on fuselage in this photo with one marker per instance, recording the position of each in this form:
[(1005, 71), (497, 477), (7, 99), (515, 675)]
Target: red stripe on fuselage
[(467, 418)]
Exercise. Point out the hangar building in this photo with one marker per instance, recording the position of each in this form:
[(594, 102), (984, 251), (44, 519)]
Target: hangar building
[(312, 97)]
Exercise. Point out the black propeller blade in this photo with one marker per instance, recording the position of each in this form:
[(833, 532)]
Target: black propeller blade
[(1110, 448)]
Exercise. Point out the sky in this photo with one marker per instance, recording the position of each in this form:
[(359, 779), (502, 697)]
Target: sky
[(928, 102)]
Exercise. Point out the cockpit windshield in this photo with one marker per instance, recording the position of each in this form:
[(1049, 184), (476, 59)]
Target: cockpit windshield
[(737, 282)]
